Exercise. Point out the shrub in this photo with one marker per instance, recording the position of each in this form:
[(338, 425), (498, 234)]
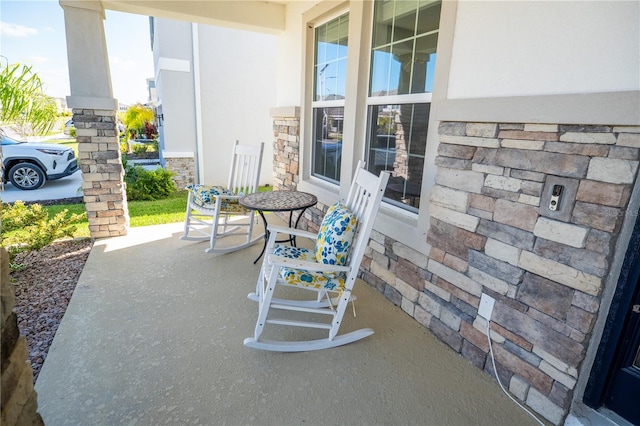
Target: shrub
[(149, 130), (140, 150), (33, 228), (148, 185), (135, 119)]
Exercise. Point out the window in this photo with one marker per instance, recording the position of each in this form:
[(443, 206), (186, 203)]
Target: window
[(403, 54), (397, 142), (330, 71)]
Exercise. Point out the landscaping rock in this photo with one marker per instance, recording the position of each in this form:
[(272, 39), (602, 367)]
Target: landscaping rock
[(43, 290)]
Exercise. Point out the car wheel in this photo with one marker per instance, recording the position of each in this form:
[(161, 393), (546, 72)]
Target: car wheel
[(26, 176)]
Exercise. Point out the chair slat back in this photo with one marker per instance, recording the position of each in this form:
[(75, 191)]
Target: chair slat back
[(246, 162), (365, 196)]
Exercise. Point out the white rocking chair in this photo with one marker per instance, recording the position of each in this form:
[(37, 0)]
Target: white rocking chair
[(210, 209), (330, 271)]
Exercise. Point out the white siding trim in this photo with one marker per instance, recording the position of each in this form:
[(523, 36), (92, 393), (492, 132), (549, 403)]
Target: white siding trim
[(172, 64), (198, 101), (177, 154), (612, 108)]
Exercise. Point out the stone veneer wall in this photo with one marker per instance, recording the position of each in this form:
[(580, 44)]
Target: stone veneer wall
[(286, 152), (286, 162), (102, 172), (19, 399), (492, 232), (184, 169)]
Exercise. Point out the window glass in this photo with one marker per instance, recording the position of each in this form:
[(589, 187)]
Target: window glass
[(403, 55), (398, 140), (327, 142), (381, 70), (404, 20), (405, 34), (424, 64), (428, 16), (330, 71), (331, 59), (383, 23)]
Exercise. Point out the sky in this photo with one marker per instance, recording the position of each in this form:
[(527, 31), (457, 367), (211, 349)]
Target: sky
[(32, 32)]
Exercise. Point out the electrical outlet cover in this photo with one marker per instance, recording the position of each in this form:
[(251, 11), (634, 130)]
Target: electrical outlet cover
[(486, 306)]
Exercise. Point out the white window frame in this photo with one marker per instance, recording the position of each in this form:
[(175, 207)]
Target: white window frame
[(325, 190), (318, 104), (399, 224), (400, 99), (415, 98)]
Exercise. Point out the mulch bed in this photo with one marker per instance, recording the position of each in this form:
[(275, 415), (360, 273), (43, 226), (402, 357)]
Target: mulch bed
[(43, 291)]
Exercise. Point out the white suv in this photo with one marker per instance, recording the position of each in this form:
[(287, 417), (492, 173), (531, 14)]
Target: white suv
[(28, 165)]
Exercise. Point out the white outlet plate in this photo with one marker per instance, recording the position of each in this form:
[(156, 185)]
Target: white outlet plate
[(486, 306)]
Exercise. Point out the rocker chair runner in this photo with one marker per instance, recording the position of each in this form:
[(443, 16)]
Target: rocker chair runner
[(329, 271), (213, 212)]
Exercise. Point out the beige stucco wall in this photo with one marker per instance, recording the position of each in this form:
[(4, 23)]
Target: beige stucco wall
[(533, 48), (216, 86), (238, 85)]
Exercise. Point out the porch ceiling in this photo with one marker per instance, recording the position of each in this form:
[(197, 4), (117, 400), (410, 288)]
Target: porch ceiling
[(260, 16)]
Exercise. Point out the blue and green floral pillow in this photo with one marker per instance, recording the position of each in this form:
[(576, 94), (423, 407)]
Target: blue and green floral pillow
[(336, 235), (204, 195)]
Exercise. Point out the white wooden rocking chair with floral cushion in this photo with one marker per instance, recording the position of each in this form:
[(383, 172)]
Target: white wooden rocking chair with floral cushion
[(213, 212), (330, 270)]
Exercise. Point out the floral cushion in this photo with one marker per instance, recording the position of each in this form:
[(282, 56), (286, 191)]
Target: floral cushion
[(336, 235), (312, 279), (306, 278), (291, 252), (332, 247), (205, 196)]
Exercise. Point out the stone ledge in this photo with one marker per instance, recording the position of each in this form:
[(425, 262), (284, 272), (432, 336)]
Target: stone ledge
[(285, 112)]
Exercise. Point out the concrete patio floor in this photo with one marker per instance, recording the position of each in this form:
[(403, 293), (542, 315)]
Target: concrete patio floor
[(153, 335)]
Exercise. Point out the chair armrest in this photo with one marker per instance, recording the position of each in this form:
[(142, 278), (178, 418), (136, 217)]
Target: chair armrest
[(291, 231), (305, 265)]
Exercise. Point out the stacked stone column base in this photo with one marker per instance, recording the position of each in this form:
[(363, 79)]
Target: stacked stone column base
[(99, 154)]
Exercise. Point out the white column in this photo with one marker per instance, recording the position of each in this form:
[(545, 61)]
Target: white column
[(89, 73), (94, 115)]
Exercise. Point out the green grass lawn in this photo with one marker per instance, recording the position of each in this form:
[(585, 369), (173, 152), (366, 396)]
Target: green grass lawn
[(168, 210), (141, 213)]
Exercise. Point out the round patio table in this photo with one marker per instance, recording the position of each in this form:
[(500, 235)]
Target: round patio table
[(279, 201)]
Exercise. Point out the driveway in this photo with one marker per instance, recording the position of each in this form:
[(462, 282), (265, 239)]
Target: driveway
[(67, 187)]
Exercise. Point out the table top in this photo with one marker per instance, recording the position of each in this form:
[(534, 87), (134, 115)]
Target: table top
[(278, 201)]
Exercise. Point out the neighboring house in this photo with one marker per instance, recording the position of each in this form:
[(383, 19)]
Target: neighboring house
[(214, 85), (484, 112), (152, 93)]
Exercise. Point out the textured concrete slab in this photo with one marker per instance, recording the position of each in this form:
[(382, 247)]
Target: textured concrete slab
[(154, 331)]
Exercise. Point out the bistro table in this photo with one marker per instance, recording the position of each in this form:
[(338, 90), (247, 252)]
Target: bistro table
[(278, 201)]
